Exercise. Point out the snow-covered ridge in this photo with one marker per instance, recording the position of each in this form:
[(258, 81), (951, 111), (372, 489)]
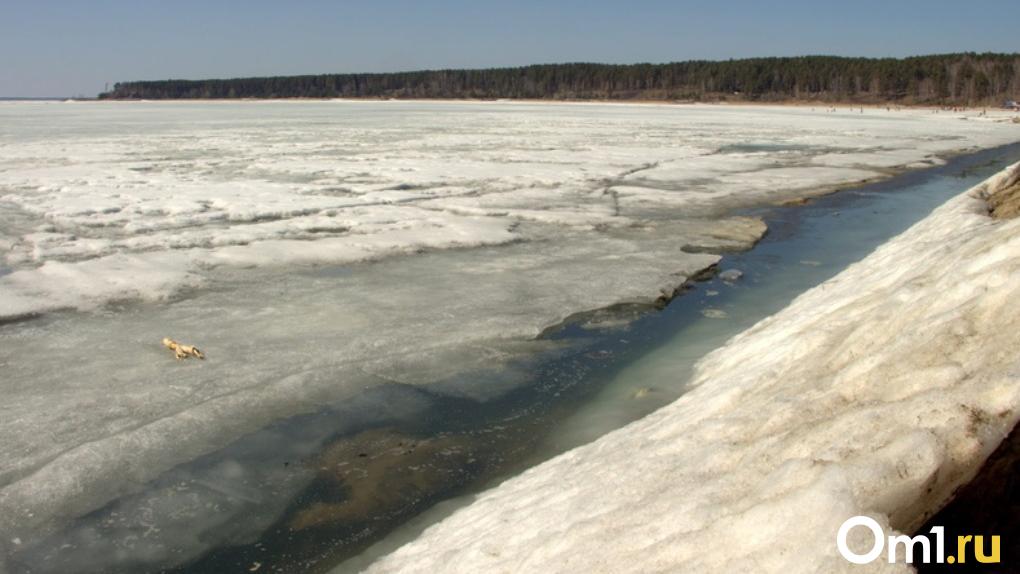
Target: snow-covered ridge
[(878, 393)]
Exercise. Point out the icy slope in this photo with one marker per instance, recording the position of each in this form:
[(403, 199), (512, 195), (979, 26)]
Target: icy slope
[(876, 393)]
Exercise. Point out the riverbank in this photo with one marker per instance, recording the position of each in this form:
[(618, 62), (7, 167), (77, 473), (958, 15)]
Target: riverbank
[(879, 392), (919, 78)]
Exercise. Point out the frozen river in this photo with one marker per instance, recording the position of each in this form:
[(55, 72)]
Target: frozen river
[(319, 250)]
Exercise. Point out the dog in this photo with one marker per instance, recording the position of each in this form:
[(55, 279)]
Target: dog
[(182, 351)]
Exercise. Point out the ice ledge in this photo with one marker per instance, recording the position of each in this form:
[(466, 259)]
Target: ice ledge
[(878, 392)]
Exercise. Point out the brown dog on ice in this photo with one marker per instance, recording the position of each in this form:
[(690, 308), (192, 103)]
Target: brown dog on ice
[(182, 351)]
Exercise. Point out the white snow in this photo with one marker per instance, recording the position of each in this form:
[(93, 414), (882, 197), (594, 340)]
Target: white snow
[(877, 393), (314, 249)]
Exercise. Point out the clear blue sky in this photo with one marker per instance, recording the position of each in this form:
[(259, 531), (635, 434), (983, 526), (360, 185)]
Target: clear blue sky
[(52, 48)]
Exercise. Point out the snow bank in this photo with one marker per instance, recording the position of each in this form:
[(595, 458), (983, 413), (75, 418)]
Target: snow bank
[(877, 393), (89, 284)]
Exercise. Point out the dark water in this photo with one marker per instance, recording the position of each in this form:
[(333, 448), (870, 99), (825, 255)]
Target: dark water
[(354, 480)]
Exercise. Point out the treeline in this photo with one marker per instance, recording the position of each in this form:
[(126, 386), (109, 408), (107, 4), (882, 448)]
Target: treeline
[(949, 79)]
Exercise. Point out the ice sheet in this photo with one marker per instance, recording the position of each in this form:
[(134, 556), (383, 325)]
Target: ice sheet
[(269, 184), (314, 249), (878, 392)]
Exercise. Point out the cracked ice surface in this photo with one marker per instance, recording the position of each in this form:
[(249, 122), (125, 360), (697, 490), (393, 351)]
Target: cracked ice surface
[(316, 248), (96, 194)]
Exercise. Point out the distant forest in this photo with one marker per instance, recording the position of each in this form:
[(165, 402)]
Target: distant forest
[(949, 79)]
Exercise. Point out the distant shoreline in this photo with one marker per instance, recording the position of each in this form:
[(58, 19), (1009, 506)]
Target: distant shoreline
[(892, 105), (940, 79)]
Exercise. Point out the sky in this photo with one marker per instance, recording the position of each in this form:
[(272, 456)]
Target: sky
[(76, 47)]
